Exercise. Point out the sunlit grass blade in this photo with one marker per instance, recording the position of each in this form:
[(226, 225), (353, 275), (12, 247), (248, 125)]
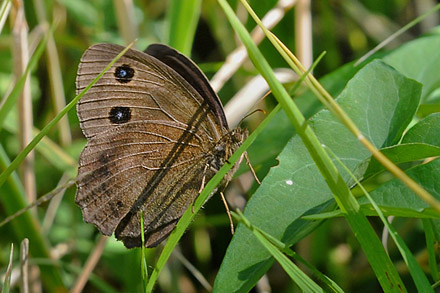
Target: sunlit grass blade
[(201, 199), (182, 19), (144, 267), (126, 19), (275, 248), (4, 12), (90, 264), (4, 175), (368, 210), (24, 265), (396, 34)]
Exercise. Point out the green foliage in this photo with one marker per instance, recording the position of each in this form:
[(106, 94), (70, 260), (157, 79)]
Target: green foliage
[(307, 218)]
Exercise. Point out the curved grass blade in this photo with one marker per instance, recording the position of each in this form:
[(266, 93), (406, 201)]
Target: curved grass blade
[(419, 277), (276, 249), (201, 199)]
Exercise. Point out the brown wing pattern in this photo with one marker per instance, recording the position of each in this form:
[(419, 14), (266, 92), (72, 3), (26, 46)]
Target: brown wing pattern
[(149, 136)]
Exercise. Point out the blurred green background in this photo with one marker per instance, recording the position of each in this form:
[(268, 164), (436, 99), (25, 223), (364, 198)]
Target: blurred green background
[(345, 29)]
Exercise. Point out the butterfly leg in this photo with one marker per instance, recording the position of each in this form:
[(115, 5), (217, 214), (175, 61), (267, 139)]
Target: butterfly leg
[(203, 179), (227, 211), (201, 185), (248, 162)]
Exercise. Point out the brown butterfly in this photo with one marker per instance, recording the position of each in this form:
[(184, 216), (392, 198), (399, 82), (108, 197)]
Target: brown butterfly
[(156, 133)]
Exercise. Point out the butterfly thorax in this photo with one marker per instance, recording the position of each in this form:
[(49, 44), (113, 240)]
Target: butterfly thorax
[(224, 149)]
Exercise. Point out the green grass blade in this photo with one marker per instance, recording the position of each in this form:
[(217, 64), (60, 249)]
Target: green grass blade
[(144, 268), (415, 270), (201, 199), (430, 243), (300, 278), (333, 287), (188, 216), (183, 17)]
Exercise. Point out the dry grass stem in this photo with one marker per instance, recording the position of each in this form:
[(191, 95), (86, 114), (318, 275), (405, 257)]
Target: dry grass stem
[(24, 268), (124, 10), (193, 270), (20, 53), (239, 55), (55, 76), (303, 32), (90, 265), (249, 95)]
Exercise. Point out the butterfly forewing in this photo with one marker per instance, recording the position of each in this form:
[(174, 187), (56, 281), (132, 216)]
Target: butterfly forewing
[(149, 138)]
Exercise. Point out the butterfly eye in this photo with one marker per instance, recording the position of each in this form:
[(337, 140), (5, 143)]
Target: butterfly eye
[(119, 115), (124, 73)]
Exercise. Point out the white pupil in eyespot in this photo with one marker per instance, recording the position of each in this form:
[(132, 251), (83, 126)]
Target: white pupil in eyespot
[(122, 73)]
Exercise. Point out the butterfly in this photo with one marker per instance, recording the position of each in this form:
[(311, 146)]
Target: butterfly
[(156, 132)]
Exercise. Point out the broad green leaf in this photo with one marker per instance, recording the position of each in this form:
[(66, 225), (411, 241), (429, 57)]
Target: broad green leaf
[(304, 282), (394, 193), (381, 102), (420, 60), (421, 141), (426, 131)]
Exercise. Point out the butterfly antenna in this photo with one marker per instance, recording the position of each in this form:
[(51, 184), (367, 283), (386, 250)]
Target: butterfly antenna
[(251, 113)]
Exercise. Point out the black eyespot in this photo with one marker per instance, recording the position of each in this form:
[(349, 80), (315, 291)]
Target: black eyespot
[(119, 115), (119, 204), (124, 73)]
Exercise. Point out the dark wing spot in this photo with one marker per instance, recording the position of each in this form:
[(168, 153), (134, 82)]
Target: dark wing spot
[(119, 115), (124, 73)]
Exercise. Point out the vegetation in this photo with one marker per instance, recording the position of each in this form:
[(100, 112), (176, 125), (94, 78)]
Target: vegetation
[(331, 214)]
